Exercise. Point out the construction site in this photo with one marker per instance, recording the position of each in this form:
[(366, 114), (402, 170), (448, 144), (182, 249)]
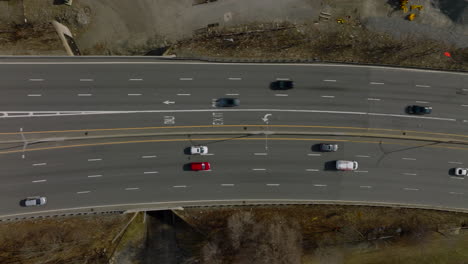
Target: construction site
[(420, 33)]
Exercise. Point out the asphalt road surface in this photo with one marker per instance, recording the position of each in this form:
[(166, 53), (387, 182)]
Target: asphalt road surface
[(141, 93)]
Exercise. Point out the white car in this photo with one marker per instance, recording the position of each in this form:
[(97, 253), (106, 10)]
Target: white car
[(346, 165), (198, 150), (34, 201), (461, 171)]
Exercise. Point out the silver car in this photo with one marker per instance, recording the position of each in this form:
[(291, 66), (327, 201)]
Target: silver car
[(328, 147), (34, 201)]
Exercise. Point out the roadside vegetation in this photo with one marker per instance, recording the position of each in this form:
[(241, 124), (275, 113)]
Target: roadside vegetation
[(350, 43), (81, 239)]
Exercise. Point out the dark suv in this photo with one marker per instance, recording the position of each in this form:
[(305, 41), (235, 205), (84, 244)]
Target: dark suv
[(418, 110), (227, 102), (282, 85)]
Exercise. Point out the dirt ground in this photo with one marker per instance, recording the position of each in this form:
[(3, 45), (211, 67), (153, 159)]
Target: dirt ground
[(122, 27), (67, 240)]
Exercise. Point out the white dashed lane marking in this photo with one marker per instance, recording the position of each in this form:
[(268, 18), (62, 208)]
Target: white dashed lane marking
[(39, 164), (134, 94), (85, 94), (135, 80), (227, 184), (313, 154), (320, 185), (132, 189), (410, 174), (83, 192), (94, 176), (36, 80), (94, 159), (422, 102), (365, 186), (312, 170), (327, 96), (408, 158), (422, 85), (410, 189), (86, 80), (260, 154), (282, 79), (179, 186), (456, 193), (377, 83), (39, 181), (186, 79), (150, 172), (259, 169), (281, 94), (458, 177), (455, 162), (234, 78), (362, 156), (183, 94), (148, 157), (373, 99), (329, 80), (360, 171), (34, 95), (232, 94), (272, 184)]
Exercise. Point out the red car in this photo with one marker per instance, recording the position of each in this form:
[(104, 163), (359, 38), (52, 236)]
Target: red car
[(200, 166)]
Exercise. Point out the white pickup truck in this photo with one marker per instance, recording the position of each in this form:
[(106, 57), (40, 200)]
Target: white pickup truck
[(346, 165)]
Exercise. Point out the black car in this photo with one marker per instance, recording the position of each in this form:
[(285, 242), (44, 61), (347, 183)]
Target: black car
[(418, 110), (227, 102), (282, 85)]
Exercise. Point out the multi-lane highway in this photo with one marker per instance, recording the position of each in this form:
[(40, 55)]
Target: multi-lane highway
[(119, 99)]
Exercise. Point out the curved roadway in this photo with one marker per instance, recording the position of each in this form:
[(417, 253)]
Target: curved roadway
[(135, 93)]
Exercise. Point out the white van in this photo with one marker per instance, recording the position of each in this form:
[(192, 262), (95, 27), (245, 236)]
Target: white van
[(346, 165)]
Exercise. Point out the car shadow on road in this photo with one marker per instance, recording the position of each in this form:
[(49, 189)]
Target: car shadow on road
[(315, 148), (187, 151), (329, 165), (186, 167), (451, 171)]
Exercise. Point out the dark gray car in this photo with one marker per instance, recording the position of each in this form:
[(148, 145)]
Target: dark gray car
[(227, 102)]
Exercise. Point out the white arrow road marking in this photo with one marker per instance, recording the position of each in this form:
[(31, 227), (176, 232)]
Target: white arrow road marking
[(168, 102)]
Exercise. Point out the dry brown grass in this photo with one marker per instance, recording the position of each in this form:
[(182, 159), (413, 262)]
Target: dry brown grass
[(61, 240), (287, 233), (346, 43)]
